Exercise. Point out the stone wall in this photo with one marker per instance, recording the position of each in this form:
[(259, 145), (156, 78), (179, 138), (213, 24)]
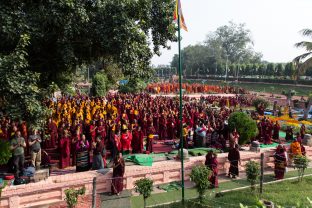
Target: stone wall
[(52, 190)]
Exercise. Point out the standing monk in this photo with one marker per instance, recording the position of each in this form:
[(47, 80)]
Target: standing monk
[(126, 138), (150, 138), (212, 163), (118, 173), (65, 150), (234, 158), (137, 140), (276, 129), (52, 128), (280, 162)]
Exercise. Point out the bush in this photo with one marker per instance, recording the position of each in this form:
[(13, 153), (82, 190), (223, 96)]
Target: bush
[(134, 85), (72, 196), (199, 176), (252, 173), (145, 187), (258, 101), (245, 126), (69, 90), (99, 85), (5, 152), (301, 163)]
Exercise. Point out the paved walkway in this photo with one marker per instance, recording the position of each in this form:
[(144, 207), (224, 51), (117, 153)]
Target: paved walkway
[(114, 201)]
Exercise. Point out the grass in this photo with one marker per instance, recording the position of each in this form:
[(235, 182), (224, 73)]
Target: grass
[(268, 88), (273, 88), (286, 194), (238, 197)]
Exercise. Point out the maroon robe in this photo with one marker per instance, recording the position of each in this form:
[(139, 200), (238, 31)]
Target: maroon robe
[(64, 152), (52, 128), (276, 130), (234, 157), (137, 141), (118, 173), (280, 163), (212, 163)]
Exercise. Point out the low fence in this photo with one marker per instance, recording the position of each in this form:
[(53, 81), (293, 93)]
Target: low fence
[(52, 190)]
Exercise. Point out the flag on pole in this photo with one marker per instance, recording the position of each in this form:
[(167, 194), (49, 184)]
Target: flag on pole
[(178, 10)]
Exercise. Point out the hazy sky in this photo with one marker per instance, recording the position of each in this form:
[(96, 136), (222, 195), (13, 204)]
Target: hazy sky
[(274, 24)]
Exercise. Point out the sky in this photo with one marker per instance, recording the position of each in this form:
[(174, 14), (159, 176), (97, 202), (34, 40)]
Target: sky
[(274, 25)]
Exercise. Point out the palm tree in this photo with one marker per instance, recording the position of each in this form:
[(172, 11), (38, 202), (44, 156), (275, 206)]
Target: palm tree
[(304, 61)]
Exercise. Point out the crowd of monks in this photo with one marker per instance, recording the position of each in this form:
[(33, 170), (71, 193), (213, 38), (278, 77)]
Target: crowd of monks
[(167, 88), (123, 121), (129, 123)]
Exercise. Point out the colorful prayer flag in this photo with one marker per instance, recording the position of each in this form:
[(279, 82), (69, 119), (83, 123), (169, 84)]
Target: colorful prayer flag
[(178, 10)]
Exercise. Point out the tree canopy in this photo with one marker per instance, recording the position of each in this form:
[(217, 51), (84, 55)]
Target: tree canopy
[(304, 61), (44, 42), (230, 44), (67, 33)]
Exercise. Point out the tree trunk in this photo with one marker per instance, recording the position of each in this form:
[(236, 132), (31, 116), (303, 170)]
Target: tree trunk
[(144, 199)]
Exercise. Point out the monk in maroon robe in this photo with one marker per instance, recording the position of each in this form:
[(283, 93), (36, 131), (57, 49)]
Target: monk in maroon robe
[(150, 138), (234, 158), (118, 174), (93, 128), (52, 128), (137, 140), (65, 143), (212, 163), (280, 162), (276, 129)]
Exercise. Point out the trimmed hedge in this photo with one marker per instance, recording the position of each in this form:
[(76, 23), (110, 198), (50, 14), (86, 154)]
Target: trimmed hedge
[(256, 80)]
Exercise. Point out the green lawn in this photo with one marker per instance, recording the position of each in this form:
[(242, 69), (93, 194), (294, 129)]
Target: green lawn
[(274, 88), (269, 88), (286, 194), (172, 196)]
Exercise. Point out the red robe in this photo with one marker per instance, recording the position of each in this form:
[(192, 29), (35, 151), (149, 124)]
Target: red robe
[(212, 164), (53, 135), (137, 141), (126, 141), (92, 132), (64, 152), (101, 132)]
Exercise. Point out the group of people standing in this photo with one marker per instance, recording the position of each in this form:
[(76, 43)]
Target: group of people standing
[(167, 88)]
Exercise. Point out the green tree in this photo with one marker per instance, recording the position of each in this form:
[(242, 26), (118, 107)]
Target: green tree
[(199, 176), (134, 85), (245, 126), (262, 69), (279, 69), (309, 72), (145, 187), (256, 102), (5, 152), (99, 84), (270, 70), (233, 40), (19, 92), (304, 61), (66, 34), (301, 163), (289, 94), (252, 173), (289, 69)]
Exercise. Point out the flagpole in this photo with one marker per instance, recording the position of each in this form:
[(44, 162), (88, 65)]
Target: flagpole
[(181, 108)]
